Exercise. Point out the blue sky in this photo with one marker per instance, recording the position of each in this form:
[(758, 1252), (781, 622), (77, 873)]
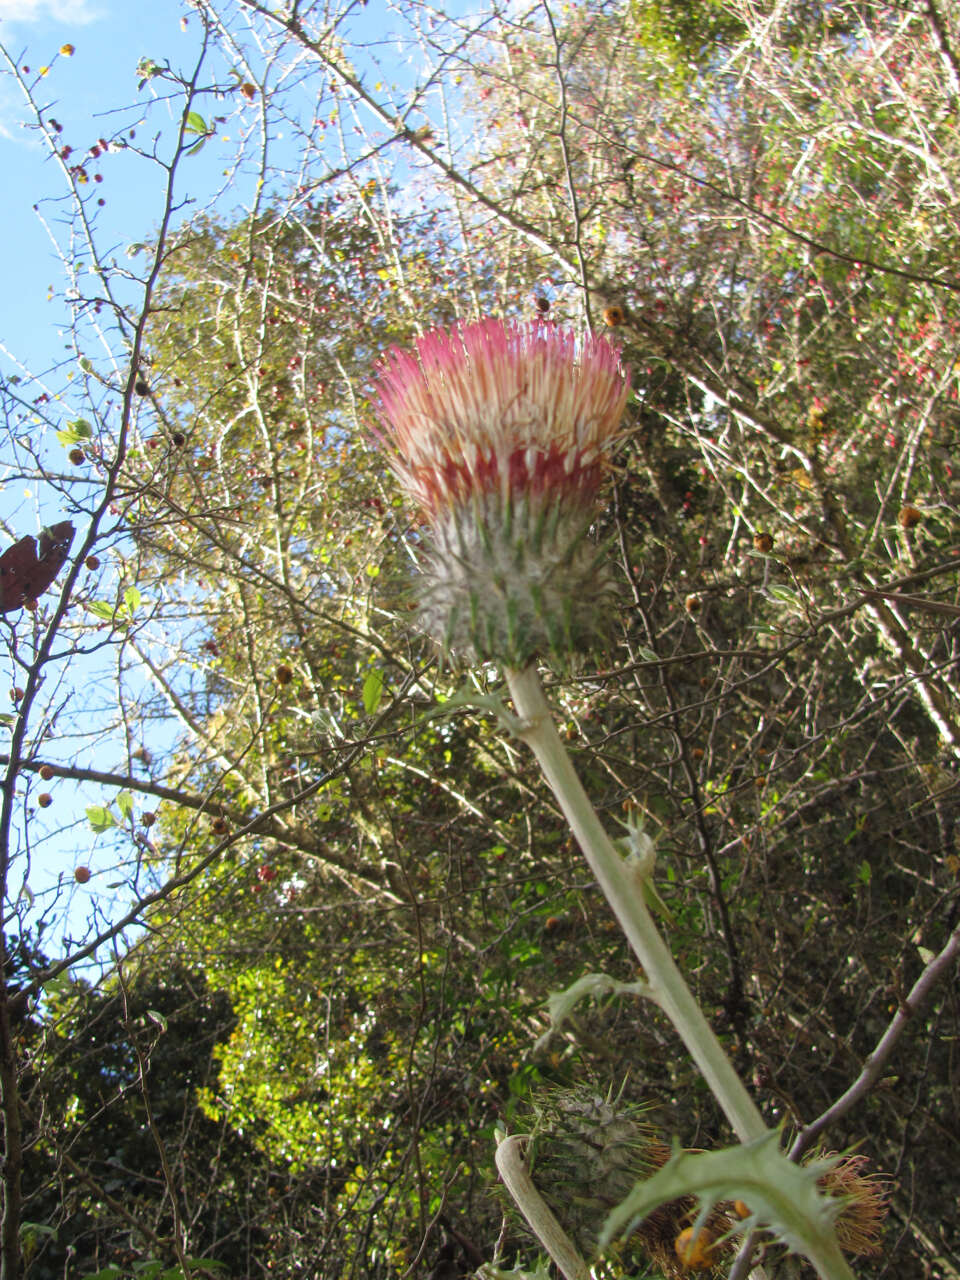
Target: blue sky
[(94, 92)]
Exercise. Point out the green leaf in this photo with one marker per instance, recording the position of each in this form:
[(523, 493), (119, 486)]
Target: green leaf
[(102, 610), (561, 1004), (132, 598), (783, 1198), (108, 1273), (156, 1016), (100, 818), (125, 803), (372, 690), (74, 432), (195, 123), (786, 595)]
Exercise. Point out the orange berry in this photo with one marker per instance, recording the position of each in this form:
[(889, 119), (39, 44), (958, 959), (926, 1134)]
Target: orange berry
[(44, 799), (693, 604), (613, 316), (763, 542), (740, 1209), (694, 1249)]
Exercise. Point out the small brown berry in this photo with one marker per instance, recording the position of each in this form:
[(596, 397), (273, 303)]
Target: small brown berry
[(909, 517), (77, 457), (147, 819), (219, 826), (693, 604), (141, 388), (16, 693), (542, 304), (81, 875), (613, 316), (551, 924), (92, 563), (179, 439), (44, 799), (248, 90), (30, 604), (46, 773), (283, 675), (763, 542)]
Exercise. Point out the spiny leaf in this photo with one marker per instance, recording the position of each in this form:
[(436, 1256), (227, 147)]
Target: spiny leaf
[(783, 1197)]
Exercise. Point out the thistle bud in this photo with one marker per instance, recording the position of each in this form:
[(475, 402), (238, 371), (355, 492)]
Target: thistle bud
[(499, 433)]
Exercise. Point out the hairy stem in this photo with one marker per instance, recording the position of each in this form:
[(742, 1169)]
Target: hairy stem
[(667, 985)]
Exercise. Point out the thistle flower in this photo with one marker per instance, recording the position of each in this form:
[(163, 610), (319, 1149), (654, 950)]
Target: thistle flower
[(864, 1203), (499, 433)]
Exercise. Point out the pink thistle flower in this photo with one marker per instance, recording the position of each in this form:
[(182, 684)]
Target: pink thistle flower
[(500, 433)]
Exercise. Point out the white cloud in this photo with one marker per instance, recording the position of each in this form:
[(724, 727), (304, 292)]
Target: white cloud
[(66, 11)]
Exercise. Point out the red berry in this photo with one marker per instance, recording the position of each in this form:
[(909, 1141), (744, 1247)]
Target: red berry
[(81, 875)]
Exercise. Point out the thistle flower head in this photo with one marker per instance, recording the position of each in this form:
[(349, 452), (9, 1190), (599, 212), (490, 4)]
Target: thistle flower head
[(499, 433)]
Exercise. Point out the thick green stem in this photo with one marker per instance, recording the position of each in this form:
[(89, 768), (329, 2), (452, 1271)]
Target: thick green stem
[(666, 983)]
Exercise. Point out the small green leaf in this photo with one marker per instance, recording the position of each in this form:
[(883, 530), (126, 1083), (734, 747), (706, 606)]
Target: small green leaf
[(372, 690), (156, 1016), (561, 1004), (102, 609), (195, 123), (125, 804), (74, 432), (100, 818), (132, 598), (786, 595)]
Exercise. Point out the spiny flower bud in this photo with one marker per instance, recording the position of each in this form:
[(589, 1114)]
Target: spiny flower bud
[(499, 433)]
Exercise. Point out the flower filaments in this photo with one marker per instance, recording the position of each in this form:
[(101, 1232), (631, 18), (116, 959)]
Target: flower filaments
[(499, 432)]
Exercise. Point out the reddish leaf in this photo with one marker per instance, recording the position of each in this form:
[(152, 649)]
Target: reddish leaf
[(24, 575)]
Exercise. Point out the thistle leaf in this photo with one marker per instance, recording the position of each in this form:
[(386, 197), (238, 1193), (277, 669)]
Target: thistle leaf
[(783, 1198)]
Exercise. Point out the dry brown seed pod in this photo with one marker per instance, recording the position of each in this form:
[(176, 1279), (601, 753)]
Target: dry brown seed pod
[(763, 542)]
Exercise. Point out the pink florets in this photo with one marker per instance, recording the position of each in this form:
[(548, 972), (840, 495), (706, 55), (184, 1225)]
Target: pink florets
[(498, 407)]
